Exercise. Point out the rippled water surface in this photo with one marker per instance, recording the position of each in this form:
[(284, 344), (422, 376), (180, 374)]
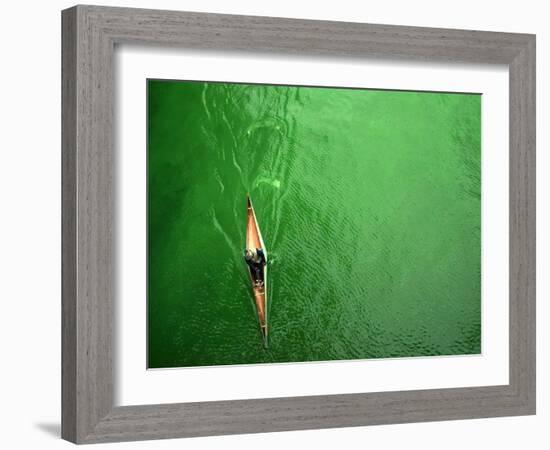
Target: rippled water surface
[(369, 205)]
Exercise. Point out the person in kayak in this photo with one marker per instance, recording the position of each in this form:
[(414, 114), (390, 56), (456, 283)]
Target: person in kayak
[(256, 262)]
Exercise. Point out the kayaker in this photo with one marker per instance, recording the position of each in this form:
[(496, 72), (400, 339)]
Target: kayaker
[(261, 256), (256, 261)]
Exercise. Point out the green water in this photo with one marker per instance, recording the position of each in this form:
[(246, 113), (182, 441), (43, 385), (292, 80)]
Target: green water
[(369, 205)]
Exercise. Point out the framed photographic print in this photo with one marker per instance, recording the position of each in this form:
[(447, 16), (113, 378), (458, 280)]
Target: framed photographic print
[(279, 224)]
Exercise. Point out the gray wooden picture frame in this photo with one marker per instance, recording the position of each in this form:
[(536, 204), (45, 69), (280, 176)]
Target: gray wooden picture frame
[(89, 37)]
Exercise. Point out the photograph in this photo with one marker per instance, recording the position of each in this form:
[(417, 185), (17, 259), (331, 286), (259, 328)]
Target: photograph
[(275, 225), (291, 224)]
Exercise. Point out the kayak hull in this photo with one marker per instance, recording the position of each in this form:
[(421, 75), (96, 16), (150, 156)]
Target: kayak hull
[(254, 241)]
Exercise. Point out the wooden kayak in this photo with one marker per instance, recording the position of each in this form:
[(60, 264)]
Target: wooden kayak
[(254, 241)]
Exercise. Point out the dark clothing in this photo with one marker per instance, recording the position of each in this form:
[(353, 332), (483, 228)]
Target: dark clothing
[(257, 273), (261, 256), (256, 264)]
